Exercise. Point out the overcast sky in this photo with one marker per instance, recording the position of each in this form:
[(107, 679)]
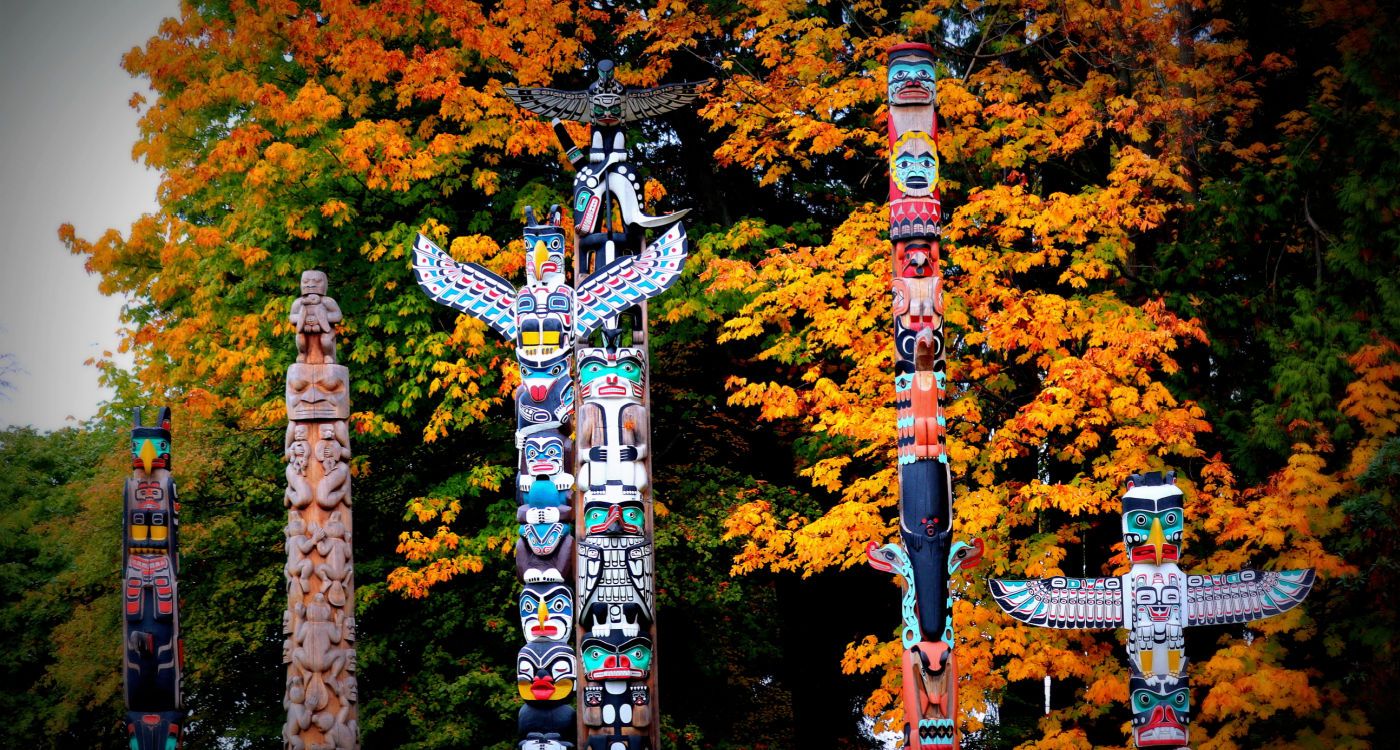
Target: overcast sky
[(65, 156)]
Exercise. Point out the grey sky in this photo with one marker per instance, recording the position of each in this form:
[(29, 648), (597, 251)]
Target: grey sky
[(65, 155)]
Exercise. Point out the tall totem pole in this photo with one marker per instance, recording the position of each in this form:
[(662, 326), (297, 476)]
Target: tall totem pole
[(319, 624), (928, 555), (1154, 601), (151, 601), (604, 470)]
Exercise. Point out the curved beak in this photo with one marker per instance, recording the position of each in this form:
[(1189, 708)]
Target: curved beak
[(1156, 539), (148, 455)]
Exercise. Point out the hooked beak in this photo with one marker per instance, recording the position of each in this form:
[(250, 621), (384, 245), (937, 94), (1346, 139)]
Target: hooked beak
[(1156, 539), (148, 455)]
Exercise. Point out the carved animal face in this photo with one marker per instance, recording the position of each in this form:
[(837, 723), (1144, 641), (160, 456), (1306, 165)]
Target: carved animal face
[(616, 656), (544, 319), (914, 164), (1161, 711), (543, 538), (544, 255), (546, 671), (603, 518), (911, 78), (540, 401), (1153, 520), (547, 612), (150, 448)]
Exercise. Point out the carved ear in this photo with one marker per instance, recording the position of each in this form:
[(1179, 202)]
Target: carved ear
[(136, 416), (530, 216), (164, 419), (556, 215)]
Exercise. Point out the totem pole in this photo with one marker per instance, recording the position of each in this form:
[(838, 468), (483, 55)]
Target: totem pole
[(151, 612), (1154, 601), (616, 610), (544, 319), (319, 624), (928, 555)]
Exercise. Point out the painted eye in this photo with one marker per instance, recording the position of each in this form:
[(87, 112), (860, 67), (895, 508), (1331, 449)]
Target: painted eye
[(1171, 519), (1141, 520), (559, 605), (527, 607), (1179, 700), (1142, 700), (638, 654), (595, 653)]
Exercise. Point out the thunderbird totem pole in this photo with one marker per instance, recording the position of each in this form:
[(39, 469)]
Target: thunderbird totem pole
[(151, 615), (603, 554), (1154, 601), (319, 624), (928, 556)]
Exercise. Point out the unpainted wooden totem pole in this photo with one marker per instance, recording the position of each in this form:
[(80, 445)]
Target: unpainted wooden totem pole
[(151, 597), (927, 556), (1154, 601), (322, 695)]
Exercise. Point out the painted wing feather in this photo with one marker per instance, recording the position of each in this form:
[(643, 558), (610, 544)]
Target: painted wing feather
[(640, 104), (1062, 602), (465, 287), (551, 103), (630, 280), (1245, 596)]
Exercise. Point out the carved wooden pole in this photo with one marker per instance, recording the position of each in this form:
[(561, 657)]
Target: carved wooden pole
[(319, 624), (151, 600), (928, 555), (1154, 601)]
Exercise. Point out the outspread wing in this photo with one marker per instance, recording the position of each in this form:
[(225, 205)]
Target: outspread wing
[(465, 286), (1062, 602), (551, 103), (640, 104), (1244, 596), (629, 280)]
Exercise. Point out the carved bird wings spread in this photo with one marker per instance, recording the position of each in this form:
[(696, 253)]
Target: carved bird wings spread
[(465, 286), (629, 280), (637, 104), (1062, 602), (1244, 596), (566, 105)]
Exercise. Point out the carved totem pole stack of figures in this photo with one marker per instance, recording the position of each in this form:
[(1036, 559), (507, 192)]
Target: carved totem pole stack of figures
[(319, 624), (151, 598), (1154, 602), (928, 555), (552, 325)]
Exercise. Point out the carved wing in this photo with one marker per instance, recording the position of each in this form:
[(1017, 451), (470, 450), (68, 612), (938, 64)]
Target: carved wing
[(639, 568), (1245, 596), (551, 103), (465, 286), (1062, 602), (640, 104), (629, 280)]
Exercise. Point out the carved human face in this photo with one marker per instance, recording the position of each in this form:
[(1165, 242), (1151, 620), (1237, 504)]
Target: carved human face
[(616, 656), (1156, 598), (547, 612), (543, 455), (313, 282), (1161, 711), (911, 78), (612, 374), (318, 392), (546, 671), (544, 319), (914, 164), (1153, 521)]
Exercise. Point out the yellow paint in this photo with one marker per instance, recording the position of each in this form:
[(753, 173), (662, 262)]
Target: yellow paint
[(148, 454), (1174, 661), (1156, 538), (1145, 657), (158, 533), (138, 531), (538, 256)]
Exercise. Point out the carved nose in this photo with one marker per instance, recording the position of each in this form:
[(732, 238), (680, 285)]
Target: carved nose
[(538, 392)]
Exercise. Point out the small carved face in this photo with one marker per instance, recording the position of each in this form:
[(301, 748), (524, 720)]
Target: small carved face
[(317, 392), (546, 671), (313, 282), (543, 455), (914, 164), (544, 324), (915, 259), (911, 79), (616, 656), (1156, 599), (1161, 711), (547, 612)]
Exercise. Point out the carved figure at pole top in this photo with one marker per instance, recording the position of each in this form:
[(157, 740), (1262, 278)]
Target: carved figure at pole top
[(1154, 601), (314, 315)]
